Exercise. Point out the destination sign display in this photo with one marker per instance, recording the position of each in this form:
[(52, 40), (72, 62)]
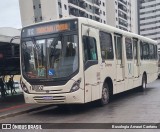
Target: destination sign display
[(48, 28)]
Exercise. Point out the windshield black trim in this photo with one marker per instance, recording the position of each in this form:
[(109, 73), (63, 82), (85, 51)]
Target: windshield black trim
[(54, 82)]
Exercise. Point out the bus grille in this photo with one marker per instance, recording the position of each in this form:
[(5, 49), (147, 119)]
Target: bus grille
[(49, 99)]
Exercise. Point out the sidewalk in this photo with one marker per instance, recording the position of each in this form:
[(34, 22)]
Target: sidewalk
[(13, 105), (10, 99)]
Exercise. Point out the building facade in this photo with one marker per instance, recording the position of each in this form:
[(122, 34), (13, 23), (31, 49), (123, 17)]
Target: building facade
[(118, 13), (122, 14), (149, 19), (33, 11)]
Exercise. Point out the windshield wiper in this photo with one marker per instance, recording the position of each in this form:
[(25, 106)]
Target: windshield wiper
[(54, 43), (36, 46)]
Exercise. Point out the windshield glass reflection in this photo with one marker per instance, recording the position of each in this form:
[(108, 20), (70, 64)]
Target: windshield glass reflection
[(50, 58)]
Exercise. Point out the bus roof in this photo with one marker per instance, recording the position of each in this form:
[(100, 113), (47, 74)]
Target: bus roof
[(112, 29), (103, 27)]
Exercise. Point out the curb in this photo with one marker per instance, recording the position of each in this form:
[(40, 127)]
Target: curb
[(24, 111)]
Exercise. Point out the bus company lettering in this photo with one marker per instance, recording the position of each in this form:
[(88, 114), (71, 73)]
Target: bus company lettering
[(53, 28), (108, 65)]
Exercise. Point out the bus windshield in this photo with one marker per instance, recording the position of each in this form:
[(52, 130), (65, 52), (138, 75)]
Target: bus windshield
[(49, 58)]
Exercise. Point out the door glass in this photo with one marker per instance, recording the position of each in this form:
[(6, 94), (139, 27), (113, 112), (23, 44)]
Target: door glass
[(90, 49)]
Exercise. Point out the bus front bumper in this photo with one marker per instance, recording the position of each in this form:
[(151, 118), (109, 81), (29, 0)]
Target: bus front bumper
[(76, 97)]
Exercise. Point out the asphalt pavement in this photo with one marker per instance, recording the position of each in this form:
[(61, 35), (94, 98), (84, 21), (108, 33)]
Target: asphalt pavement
[(128, 107)]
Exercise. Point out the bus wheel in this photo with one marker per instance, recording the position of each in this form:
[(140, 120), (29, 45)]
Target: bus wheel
[(105, 96), (159, 76), (144, 83)]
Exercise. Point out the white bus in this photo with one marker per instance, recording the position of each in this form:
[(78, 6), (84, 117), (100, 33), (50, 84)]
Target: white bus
[(78, 60)]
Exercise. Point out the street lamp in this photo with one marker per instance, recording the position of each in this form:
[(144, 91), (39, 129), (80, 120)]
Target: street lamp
[(12, 46)]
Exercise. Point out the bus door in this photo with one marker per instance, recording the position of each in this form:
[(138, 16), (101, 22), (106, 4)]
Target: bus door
[(119, 63), (136, 60), (90, 38), (129, 63)]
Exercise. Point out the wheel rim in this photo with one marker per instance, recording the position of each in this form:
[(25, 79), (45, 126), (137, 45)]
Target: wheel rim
[(105, 96)]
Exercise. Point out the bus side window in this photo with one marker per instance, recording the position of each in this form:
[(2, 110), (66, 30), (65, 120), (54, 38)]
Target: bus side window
[(90, 49), (156, 53), (141, 50), (118, 47), (145, 51), (129, 50), (135, 49), (151, 51), (106, 45)]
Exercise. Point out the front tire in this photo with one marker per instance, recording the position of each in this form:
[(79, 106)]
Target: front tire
[(159, 76), (105, 97)]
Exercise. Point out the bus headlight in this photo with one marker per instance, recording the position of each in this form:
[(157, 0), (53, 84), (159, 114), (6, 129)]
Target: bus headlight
[(23, 86), (76, 85)]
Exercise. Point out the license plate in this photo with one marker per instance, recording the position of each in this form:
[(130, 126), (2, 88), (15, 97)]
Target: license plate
[(47, 97), (37, 87)]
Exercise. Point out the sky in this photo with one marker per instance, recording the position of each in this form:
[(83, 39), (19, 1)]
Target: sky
[(10, 14)]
